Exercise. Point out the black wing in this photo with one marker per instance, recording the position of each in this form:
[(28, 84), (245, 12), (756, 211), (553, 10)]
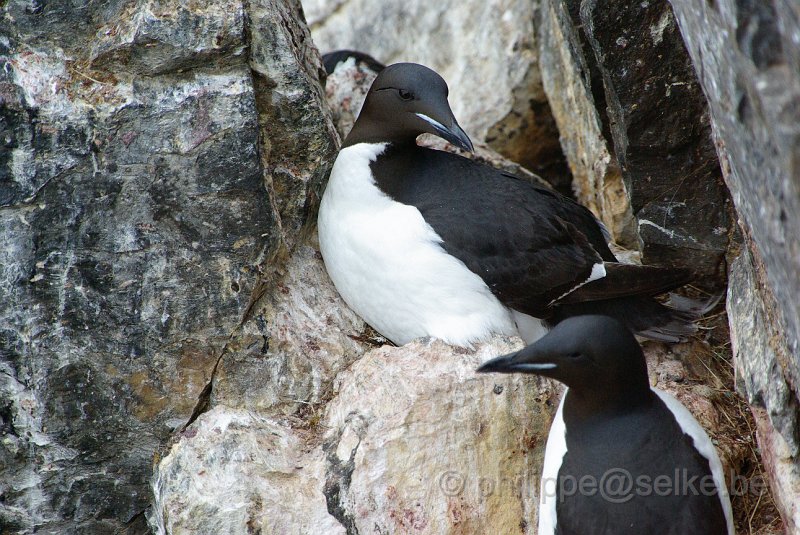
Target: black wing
[(529, 244)]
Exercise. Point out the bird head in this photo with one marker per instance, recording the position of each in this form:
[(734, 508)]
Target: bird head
[(406, 100), (590, 354)]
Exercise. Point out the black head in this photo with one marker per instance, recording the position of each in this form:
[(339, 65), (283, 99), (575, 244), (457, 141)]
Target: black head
[(406, 100), (596, 355)]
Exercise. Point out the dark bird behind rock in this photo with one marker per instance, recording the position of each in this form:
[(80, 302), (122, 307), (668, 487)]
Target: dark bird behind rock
[(332, 59)]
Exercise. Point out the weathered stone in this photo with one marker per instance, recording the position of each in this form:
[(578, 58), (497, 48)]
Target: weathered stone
[(138, 207), (413, 440), (484, 50), (418, 442), (747, 56), (299, 338), (781, 468), (597, 182), (635, 129), (234, 471), (760, 359), (658, 120)]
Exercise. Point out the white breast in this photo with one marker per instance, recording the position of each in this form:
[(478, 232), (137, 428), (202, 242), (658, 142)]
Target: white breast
[(554, 453), (388, 264)]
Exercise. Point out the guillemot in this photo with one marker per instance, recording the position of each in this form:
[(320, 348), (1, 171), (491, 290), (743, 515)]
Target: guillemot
[(421, 242), (621, 457)]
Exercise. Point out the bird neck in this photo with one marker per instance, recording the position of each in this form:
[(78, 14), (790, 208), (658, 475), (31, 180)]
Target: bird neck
[(371, 132), (587, 405)]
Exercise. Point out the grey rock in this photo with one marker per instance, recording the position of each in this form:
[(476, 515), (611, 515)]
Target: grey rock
[(142, 206), (658, 120), (565, 70), (299, 338), (760, 360), (635, 129), (411, 440), (747, 58), (235, 471)]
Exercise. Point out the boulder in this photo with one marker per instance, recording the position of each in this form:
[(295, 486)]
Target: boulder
[(658, 119), (412, 440), (635, 129), (597, 180)]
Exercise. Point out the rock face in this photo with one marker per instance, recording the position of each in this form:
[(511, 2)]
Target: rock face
[(484, 50), (142, 202), (597, 181), (627, 102), (234, 471), (163, 303), (748, 59)]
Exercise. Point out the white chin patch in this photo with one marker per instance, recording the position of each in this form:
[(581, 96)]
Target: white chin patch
[(535, 367), (433, 122)]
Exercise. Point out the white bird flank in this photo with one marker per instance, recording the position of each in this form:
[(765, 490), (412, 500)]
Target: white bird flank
[(703, 444), (554, 453), (389, 266)]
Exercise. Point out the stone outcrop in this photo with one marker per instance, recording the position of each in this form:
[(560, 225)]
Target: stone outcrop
[(411, 440), (157, 158), (747, 57), (635, 129), (597, 181)]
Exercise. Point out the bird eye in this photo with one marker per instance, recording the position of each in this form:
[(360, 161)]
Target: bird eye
[(574, 355), (406, 95)]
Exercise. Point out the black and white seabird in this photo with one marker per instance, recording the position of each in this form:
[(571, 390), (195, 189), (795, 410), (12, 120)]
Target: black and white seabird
[(650, 467), (421, 242)]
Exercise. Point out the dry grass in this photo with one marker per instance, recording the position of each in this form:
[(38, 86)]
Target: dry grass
[(754, 512)]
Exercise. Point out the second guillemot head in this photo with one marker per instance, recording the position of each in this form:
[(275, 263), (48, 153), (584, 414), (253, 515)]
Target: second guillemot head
[(595, 356), (405, 101)]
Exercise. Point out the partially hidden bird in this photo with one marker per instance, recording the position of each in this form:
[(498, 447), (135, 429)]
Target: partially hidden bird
[(422, 242), (622, 458)]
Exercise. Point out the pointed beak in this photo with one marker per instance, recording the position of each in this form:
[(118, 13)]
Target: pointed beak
[(454, 133), (527, 360)]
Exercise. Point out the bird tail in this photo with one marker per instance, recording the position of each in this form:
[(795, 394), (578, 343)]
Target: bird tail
[(670, 322), (628, 280)]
